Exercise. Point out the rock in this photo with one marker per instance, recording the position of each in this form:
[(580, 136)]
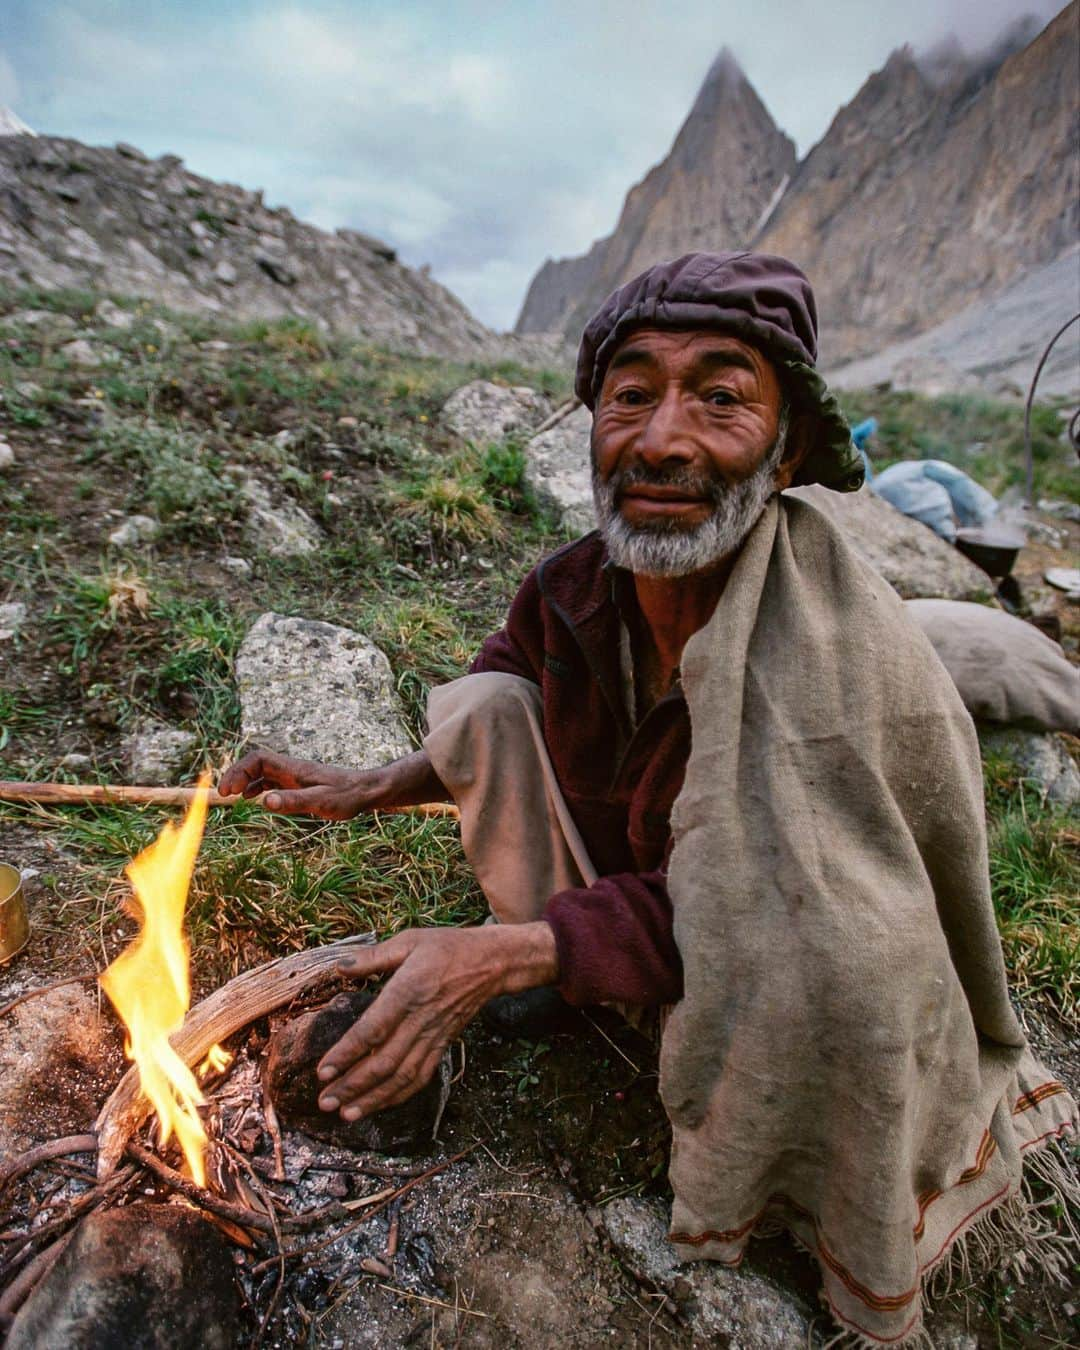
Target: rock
[(75, 763), (80, 353), (911, 558), (157, 755), (135, 530), (145, 1277), (12, 618), (290, 1082), (43, 318), (225, 272), (113, 316), (238, 566), (1041, 758), (319, 692), (1066, 510), (487, 413), (131, 152), (722, 1306), (558, 472), (7, 455), (277, 266), (215, 345), (282, 531)]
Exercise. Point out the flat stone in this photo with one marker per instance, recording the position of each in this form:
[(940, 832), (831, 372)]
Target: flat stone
[(7, 455), (722, 1306), (909, 555), (225, 272), (558, 472), (320, 692), (135, 530), (289, 1080), (1041, 757), (283, 531), (12, 618), (75, 763), (146, 1277), (486, 413), (156, 755), (238, 566)]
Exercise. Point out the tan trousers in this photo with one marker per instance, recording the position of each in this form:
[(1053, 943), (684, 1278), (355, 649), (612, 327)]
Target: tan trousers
[(486, 743)]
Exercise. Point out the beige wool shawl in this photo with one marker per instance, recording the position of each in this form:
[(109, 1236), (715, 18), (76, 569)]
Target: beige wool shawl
[(845, 1059)]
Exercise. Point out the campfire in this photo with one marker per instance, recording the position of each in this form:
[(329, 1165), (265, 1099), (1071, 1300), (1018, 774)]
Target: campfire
[(278, 1198)]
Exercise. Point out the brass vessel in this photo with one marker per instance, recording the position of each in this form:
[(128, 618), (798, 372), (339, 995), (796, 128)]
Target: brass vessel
[(14, 920)]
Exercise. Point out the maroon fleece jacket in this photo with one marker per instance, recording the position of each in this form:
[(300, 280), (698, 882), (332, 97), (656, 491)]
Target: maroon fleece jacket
[(614, 938)]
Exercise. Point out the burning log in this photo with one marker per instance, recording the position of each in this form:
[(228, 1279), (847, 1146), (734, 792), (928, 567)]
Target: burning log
[(250, 995)]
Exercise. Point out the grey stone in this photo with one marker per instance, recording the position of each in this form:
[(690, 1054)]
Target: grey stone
[(113, 316), (742, 1309), (1041, 757), (75, 763), (557, 470), (131, 152), (319, 692), (43, 318), (289, 1080), (911, 558), (283, 531), (156, 755), (483, 412), (81, 353), (135, 530), (12, 618), (238, 566), (225, 272), (215, 345), (1066, 510), (7, 455), (145, 1277)]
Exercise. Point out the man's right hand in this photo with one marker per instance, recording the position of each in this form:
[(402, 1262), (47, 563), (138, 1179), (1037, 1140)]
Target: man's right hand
[(302, 787)]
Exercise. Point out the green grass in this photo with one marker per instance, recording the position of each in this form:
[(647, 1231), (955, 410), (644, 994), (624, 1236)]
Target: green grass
[(1035, 882), (982, 436)]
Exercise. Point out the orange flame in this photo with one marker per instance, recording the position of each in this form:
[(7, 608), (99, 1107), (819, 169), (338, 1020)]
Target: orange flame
[(149, 983)]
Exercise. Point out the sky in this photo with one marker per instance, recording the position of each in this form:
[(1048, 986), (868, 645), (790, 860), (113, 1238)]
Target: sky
[(476, 136)]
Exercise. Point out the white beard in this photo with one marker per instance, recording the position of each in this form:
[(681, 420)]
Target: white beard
[(669, 549)]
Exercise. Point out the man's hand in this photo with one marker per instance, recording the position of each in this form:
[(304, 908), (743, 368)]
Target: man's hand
[(302, 787), (442, 977)]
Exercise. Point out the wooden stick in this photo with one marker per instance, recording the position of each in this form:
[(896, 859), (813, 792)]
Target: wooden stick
[(24, 1284), (55, 1148), (123, 794), (243, 999)]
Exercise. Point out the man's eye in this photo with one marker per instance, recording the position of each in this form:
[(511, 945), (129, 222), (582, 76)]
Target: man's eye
[(631, 395), (721, 398)]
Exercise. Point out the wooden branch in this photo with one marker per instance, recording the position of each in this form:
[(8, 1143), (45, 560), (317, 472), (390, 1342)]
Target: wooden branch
[(243, 999), (123, 794), (563, 410), (24, 1284), (55, 1148)]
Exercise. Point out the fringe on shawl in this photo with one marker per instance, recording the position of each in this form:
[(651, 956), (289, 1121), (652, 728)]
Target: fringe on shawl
[(1027, 1231)]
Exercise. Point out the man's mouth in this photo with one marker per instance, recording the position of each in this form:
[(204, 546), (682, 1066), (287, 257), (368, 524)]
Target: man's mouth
[(654, 499)]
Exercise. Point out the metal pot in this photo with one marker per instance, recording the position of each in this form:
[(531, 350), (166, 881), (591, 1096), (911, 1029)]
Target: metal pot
[(14, 920), (992, 549)]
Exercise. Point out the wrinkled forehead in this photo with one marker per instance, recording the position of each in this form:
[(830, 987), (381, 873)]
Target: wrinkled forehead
[(650, 346)]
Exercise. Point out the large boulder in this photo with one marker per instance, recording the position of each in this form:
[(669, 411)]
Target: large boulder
[(484, 413), (910, 557), (317, 691), (557, 470), (1041, 758)]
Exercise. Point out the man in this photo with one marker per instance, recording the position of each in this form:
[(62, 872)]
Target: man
[(708, 763)]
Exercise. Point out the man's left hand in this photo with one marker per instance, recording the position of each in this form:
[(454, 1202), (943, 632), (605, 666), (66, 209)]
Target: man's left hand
[(442, 977)]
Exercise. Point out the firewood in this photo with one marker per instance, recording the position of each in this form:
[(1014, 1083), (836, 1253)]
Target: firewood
[(124, 794), (250, 995)]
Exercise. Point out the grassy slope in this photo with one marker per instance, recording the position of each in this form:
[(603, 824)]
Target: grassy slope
[(425, 544)]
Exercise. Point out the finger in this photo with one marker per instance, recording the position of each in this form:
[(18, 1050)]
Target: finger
[(412, 1076), (372, 1029), (378, 957), (369, 1071), (329, 803), (238, 776)]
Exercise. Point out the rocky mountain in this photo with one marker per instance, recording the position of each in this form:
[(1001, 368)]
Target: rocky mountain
[(940, 183), (946, 178), (115, 220), (728, 165)]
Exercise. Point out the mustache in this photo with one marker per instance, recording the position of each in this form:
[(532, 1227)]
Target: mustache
[(709, 486)]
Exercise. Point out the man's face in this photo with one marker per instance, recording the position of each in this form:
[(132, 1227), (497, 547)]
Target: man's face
[(687, 447)]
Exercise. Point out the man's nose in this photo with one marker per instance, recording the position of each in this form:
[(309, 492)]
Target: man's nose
[(664, 436)]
